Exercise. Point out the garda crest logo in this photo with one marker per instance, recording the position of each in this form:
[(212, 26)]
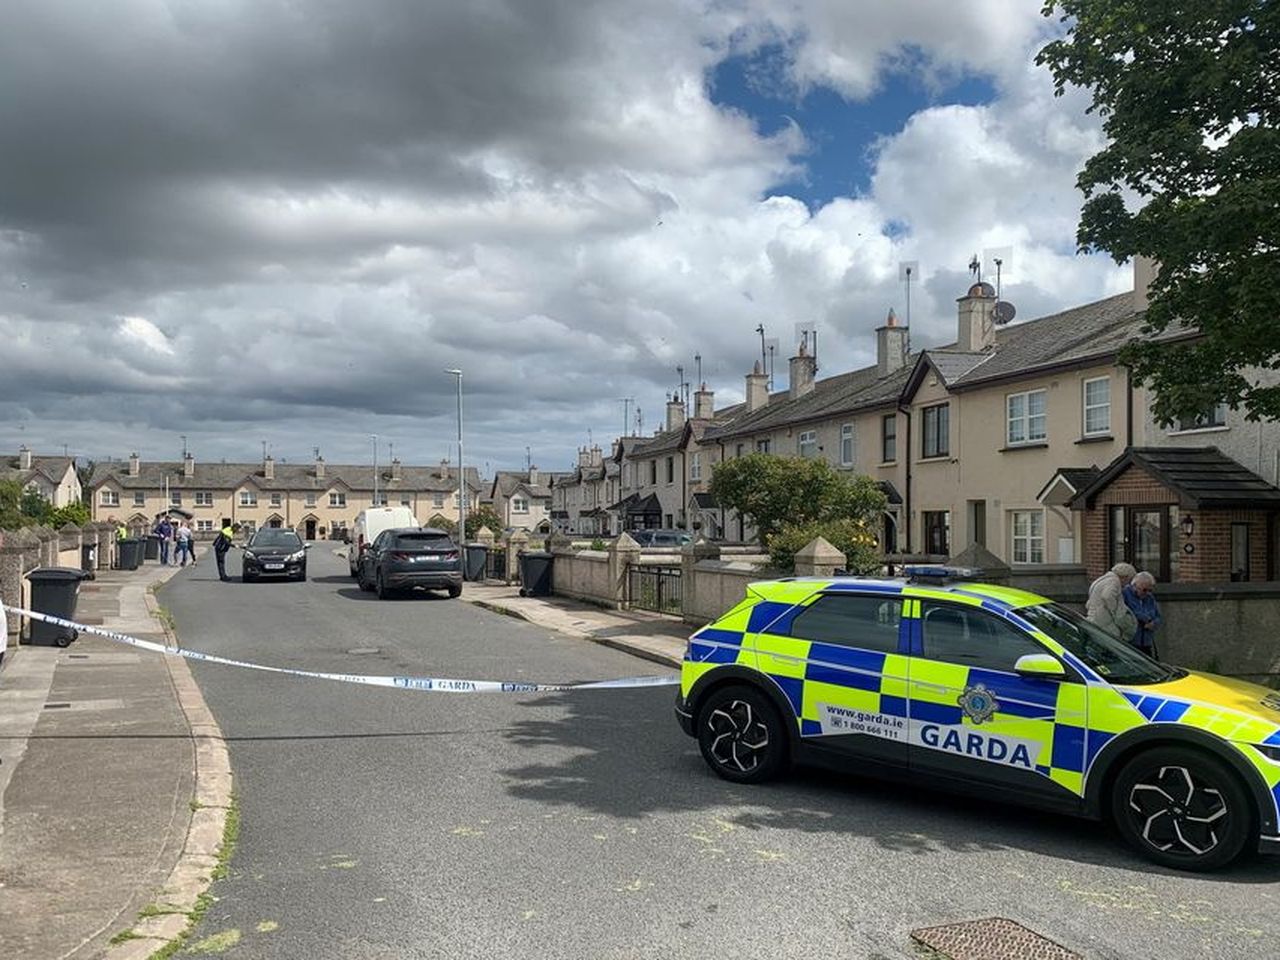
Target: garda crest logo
[(978, 703)]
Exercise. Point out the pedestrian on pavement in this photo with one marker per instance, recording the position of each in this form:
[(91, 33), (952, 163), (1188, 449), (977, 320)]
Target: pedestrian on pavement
[(185, 545), (1106, 607), (223, 542), (122, 532), (164, 530), (1140, 598)]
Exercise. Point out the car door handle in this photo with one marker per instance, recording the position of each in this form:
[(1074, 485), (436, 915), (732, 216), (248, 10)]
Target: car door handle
[(937, 687)]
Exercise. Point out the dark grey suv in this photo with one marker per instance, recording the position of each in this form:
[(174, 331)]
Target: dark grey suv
[(411, 557)]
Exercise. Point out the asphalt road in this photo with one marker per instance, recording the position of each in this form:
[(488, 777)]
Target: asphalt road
[(398, 824)]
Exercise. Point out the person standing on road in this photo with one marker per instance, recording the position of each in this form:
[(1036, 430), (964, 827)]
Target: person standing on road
[(185, 545), (223, 542), (1106, 607), (1140, 598), (164, 530)]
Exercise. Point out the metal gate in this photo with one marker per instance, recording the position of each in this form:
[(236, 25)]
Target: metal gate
[(497, 565), (655, 587)]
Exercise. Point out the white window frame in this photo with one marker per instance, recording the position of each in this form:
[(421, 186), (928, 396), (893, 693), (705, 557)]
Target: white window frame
[(379, 499), (248, 498), (764, 446), (277, 500), (109, 498), (337, 498), (175, 498), (1214, 419), (406, 502), (311, 500), (695, 466), (1025, 536), (1086, 408), (1026, 419), (139, 498), (807, 444), (204, 526), (847, 445), (519, 504), (204, 498)]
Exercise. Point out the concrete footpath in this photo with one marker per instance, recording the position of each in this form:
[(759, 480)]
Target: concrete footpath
[(114, 786), (652, 636)]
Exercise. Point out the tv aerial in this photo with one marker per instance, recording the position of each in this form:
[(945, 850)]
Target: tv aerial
[(1000, 260), (807, 337)]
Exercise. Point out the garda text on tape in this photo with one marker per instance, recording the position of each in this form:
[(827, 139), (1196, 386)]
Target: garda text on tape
[(432, 684)]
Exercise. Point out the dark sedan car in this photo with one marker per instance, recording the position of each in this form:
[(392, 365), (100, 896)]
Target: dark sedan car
[(274, 552), (411, 557)]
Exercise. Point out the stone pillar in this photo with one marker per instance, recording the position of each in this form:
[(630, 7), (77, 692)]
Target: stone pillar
[(517, 544), (558, 542), (690, 555), (106, 545), (19, 553), (48, 546), (623, 552), (818, 558), (485, 535), (70, 538)]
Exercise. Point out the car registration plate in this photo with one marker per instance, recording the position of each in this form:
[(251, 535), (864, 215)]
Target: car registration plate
[(273, 566), (428, 556)]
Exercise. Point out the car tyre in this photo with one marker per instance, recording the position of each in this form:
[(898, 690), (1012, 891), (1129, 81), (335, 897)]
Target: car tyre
[(741, 735), (1182, 808), (455, 591), (381, 588), (248, 577), (361, 581)]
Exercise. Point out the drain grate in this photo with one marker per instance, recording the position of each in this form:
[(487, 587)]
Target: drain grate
[(993, 938)]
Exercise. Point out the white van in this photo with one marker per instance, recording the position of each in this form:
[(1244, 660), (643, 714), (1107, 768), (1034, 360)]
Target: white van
[(370, 523)]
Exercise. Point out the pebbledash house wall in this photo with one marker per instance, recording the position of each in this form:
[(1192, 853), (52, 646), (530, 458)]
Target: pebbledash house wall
[(1211, 539)]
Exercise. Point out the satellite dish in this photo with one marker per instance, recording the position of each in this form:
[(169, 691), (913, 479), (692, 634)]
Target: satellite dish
[(1005, 311)]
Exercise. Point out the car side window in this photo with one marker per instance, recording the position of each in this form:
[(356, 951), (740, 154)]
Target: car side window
[(381, 542), (972, 638), (865, 622)]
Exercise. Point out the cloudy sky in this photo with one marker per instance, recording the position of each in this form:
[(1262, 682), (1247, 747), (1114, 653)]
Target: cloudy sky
[(249, 220)]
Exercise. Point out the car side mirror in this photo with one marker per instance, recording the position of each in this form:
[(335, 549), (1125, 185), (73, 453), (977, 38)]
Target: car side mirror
[(1040, 666), (306, 546)]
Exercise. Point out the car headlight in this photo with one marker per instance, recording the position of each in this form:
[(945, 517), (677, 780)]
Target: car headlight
[(296, 556), (250, 555)]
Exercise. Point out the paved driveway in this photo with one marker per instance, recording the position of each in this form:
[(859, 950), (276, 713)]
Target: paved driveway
[(390, 824)]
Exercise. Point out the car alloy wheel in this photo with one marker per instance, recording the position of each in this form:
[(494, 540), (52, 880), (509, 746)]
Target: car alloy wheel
[(1182, 808), (740, 735)]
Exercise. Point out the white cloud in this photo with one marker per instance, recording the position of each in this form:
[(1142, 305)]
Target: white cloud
[(146, 333)]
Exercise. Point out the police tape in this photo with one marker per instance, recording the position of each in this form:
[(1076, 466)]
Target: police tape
[(432, 684)]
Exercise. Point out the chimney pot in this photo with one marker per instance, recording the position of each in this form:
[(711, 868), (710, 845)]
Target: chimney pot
[(24, 457), (803, 370), (757, 388), (135, 465)]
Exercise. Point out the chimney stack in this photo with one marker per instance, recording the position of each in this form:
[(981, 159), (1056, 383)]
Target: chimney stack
[(803, 369), (188, 466), (675, 412), (757, 388), (135, 465), (1144, 273), (395, 468), (891, 346), (319, 467), (24, 457), (534, 476), (704, 404), (977, 326), (269, 467)]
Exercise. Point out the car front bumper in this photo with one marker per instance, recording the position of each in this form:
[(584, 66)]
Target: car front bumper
[(683, 716), (262, 568), (1269, 845)]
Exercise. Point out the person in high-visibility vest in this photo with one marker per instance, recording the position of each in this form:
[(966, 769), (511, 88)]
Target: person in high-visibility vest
[(122, 532), (223, 542)]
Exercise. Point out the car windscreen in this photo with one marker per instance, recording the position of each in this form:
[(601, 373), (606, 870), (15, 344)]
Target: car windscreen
[(1112, 659), (423, 541), (285, 539)]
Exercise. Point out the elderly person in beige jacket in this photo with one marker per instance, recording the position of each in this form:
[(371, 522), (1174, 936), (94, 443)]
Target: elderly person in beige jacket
[(1106, 607)]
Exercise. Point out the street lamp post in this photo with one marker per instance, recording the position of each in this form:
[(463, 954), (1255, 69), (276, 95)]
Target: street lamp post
[(374, 438), (462, 481)]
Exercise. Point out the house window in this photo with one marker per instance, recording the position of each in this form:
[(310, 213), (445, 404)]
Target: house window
[(337, 499), (275, 499), (437, 501), (519, 505), (175, 498), (936, 437), (204, 498), (204, 526), (404, 501), (1239, 552), (762, 446), (338, 526), (1216, 416), (1028, 536), (1097, 407), (311, 500), (671, 469), (139, 499), (740, 449), (937, 531), (109, 498), (695, 466), (807, 445), (653, 472), (846, 445), (248, 498), (1145, 536), (248, 527), (379, 500), (1025, 417), (889, 438)]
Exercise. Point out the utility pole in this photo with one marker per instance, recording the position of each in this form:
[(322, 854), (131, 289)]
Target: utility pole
[(462, 472), (374, 438)]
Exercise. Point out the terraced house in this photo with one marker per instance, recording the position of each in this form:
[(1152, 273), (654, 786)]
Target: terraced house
[(994, 438), (318, 499), (53, 478)]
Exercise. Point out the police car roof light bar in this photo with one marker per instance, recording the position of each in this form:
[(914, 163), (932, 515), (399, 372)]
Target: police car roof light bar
[(937, 573)]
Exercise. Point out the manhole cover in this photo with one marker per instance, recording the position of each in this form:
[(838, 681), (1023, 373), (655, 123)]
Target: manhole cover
[(363, 651), (994, 938)]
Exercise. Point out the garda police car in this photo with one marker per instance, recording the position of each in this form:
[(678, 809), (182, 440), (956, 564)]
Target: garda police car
[(988, 690)]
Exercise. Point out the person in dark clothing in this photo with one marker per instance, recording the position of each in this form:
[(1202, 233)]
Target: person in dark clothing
[(221, 544), (1140, 598), (164, 530)]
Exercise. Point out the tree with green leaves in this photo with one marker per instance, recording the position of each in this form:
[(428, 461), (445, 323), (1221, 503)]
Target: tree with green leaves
[(776, 493), (11, 517), (1189, 96), (483, 516)]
